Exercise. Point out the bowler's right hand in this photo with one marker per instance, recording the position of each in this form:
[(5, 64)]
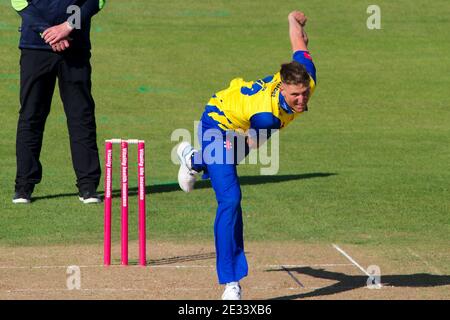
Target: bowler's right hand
[(299, 17)]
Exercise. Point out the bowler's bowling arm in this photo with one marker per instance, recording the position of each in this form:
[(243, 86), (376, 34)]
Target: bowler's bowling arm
[(297, 33)]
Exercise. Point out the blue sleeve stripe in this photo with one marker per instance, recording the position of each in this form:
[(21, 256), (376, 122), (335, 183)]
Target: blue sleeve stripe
[(305, 59)]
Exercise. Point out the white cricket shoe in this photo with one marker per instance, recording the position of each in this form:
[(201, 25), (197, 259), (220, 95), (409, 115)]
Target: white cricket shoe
[(88, 197), (232, 291), (186, 175), (22, 196)]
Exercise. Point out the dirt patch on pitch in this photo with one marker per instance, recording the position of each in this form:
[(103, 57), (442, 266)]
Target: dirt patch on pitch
[(187, 271)]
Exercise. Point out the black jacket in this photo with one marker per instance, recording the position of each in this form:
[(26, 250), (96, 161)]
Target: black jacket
[(38, 15)]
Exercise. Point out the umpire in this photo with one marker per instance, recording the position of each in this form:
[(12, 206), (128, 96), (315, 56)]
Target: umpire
[(55, 43)]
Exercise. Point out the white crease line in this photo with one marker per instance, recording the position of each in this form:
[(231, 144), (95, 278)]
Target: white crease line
[(310, 265), (351, 260), (47, 267), (107, 267), (182, 266), (148, 290), (99, 290), (278, 266)]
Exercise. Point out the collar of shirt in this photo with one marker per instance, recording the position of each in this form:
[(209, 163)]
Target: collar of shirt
[(283, 104)]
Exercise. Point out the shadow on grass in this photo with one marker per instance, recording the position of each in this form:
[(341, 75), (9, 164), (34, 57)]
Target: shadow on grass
[(203, 184), (346, 282)]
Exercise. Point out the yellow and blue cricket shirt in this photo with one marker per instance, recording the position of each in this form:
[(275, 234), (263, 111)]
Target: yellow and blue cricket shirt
[(256, 104)]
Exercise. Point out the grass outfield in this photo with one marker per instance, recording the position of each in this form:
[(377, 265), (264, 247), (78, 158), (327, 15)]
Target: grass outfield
[(368, 164)]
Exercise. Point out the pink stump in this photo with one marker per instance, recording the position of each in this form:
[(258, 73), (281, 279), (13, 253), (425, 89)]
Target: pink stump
[(141, 203), (124, 201), (108, 189)]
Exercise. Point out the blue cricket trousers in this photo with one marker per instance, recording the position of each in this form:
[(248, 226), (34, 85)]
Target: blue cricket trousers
[(231, 262)]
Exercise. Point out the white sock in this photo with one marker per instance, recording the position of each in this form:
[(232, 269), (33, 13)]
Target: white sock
[(233, 284)]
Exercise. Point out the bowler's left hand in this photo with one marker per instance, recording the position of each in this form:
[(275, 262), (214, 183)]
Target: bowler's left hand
[(61, 45)]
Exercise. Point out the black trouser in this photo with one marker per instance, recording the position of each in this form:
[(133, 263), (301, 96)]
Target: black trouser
[(38, 72)]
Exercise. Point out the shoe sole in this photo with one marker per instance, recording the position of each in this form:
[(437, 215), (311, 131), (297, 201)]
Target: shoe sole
[(90, 200), (21, 201), (181, 172), (183, 166)]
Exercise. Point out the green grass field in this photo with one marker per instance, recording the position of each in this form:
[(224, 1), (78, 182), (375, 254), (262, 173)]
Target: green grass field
[(368, 164)]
